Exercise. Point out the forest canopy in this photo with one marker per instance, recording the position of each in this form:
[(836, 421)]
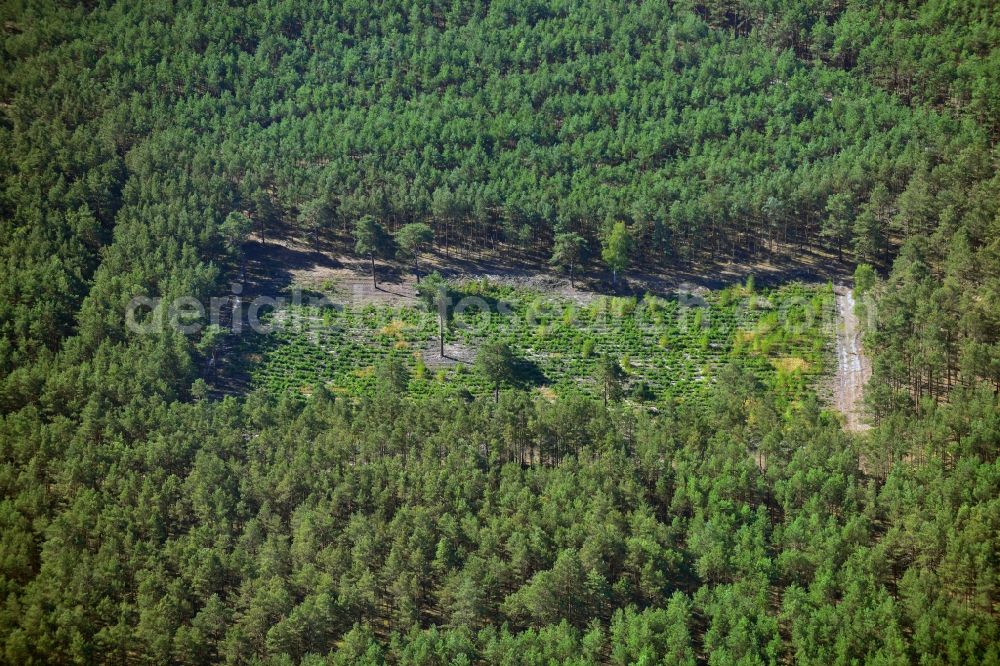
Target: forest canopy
[(146, 144)]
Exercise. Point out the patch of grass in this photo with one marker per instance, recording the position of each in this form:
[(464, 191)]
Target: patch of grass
[(790, 364)]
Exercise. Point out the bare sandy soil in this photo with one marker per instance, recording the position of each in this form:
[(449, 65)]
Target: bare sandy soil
[(853, 367)]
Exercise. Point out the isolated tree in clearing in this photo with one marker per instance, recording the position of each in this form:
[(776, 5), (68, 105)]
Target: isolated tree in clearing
[(610, 377), (617, 247), (392, 376), (411, 241), (368, 240), (496, 361), (567, 252), (433, 291)]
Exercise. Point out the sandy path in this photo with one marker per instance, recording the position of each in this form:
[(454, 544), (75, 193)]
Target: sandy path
[(853, 368)]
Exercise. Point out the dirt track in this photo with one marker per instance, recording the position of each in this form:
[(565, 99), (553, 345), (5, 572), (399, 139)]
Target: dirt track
[(853, 368)]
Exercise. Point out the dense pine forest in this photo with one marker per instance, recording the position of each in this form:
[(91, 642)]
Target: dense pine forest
[(151, 514)]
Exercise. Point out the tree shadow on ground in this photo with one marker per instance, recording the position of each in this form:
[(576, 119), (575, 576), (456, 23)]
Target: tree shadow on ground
[(388, 274), (527, 373), (270, 266)]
